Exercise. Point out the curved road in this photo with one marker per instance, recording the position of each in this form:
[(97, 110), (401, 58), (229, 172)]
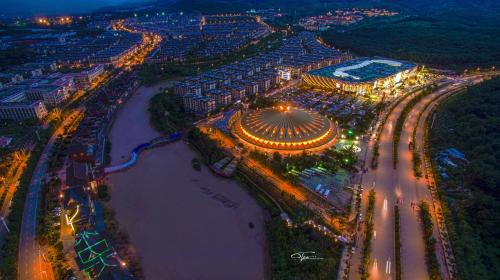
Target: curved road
[(400, 186), (31, 265)]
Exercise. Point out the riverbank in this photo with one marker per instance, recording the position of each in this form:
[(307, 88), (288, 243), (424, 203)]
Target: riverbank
[(183, 223)]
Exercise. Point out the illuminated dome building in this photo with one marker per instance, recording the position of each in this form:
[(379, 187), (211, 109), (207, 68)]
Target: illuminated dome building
[(285, 129)]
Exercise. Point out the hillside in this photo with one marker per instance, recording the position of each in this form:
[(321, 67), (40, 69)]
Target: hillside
[(315, 6), (455, 40), (469, 122)]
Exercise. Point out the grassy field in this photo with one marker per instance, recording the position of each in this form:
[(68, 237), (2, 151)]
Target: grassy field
[(449, 40)]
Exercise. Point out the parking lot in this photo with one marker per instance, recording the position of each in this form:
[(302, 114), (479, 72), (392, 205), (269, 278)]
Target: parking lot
[(348, 110)]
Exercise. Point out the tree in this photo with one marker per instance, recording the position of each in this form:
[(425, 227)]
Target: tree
[(103, 193)]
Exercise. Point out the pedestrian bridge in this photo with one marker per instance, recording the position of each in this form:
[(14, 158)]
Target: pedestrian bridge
[(137, 150)]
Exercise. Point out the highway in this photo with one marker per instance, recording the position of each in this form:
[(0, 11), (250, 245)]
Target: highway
[(400, 186)]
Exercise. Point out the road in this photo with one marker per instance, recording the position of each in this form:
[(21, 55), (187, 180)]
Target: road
[(12, 182), (402, 187), (31, 264), (412, 189), (301, 194)]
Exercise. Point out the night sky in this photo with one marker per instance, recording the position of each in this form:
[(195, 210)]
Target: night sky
[(35, 7)]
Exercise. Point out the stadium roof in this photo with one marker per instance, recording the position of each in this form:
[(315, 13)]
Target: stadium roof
[(363, 69), (285, 128)]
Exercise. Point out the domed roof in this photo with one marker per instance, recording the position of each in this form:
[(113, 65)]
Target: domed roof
[(285, 127)]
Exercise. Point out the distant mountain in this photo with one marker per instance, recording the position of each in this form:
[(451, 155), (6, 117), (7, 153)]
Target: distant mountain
[(439, 5), (422, 6)]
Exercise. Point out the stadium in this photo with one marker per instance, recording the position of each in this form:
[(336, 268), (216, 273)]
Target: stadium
[(362, 75), (285, 129)]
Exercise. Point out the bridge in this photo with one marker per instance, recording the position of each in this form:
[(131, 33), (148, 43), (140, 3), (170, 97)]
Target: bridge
[(140, 148)]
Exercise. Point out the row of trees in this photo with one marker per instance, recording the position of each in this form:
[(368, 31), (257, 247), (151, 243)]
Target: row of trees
[(206, 146), (8, 268), (167, 114), (367, 242), (401, 121), (285, 241), (59, 152), (376, 146), (331, 159), (470, 195), (397, 242), (121, 242), (49, 228), (430, 242)]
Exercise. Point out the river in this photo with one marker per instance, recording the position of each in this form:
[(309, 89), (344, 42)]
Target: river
[(184, 224)]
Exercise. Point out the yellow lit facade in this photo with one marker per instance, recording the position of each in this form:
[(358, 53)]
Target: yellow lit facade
[(285, 129)]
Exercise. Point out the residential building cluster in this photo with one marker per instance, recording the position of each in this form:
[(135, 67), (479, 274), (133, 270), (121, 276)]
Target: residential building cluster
[(194, 35), (84, 172), (208, 91), (30, 98), (95, 256), (266, 14), (341, 17), (73, 49), (100, 112)]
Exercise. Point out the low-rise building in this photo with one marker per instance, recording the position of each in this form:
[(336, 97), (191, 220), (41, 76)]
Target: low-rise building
[(19, 111), (50, 95), (221, 97), (199, 105), (85, 78), (237, 92)]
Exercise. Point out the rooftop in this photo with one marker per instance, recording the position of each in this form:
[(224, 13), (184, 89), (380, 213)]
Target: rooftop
[(363, 69), (285, 127)]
